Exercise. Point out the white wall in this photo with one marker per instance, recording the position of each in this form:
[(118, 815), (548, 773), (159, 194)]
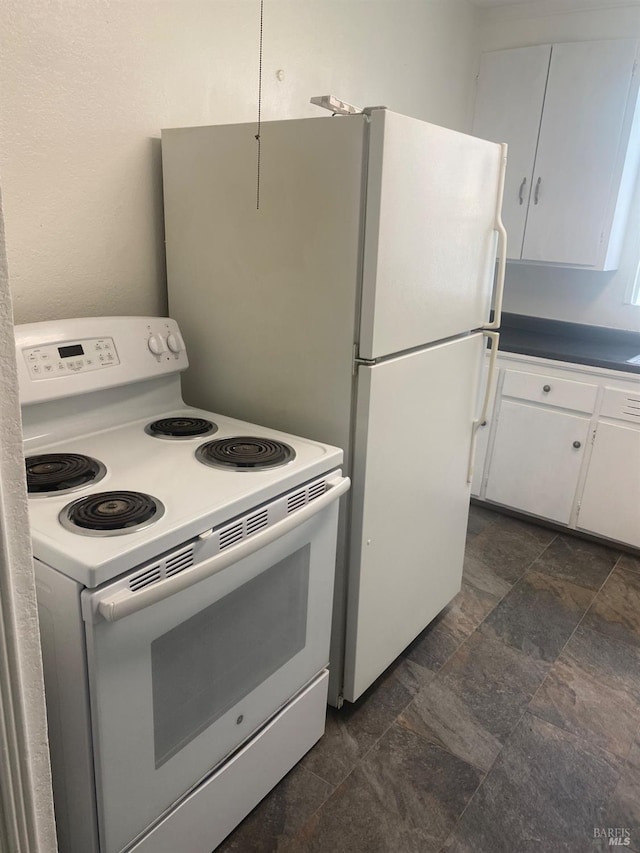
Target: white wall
[(572, 295), (26, 805), (86, 87)]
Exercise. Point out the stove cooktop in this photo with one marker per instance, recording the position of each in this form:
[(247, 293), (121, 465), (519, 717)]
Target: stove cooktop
[(181, 427), (111, 513), (190, 497), (245, 453), (60, 473)]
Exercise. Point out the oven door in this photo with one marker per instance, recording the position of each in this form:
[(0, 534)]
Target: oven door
[(183, 671)]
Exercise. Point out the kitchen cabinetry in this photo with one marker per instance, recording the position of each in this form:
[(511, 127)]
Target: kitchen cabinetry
[(564, 445), (610, 504), (569, 115), (509, 100), (542, 426)]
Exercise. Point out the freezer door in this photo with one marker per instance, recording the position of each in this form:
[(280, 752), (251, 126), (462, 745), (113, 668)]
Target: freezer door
[(410, 500), (430, 243)]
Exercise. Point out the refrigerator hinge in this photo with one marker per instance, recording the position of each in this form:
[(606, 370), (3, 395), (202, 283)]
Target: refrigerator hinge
[(366, 362)]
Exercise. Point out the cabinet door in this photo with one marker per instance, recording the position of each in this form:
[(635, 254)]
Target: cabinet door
[(610, 502), (577, 166), (535, 463), (509, 99)]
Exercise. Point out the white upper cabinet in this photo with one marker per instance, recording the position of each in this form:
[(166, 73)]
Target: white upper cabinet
[(509, 103), (569, 114)]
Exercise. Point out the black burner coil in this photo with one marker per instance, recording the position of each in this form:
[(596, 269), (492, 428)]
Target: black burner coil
[(180, 427), (55, 472), (245, 452), (112, 510)]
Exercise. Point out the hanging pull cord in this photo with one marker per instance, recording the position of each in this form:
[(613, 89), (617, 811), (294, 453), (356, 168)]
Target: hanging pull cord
[(257, 137)]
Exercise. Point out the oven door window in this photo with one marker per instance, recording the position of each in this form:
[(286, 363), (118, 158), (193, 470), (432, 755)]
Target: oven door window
[(210, 662)]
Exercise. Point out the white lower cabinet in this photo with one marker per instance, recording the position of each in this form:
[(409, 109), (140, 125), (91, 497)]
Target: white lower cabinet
[(536, 460), (610, 503), (564, 445)]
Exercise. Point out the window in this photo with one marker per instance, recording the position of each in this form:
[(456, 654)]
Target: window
[(634, 291)]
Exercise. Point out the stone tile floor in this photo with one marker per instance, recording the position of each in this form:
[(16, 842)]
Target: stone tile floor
[(512, 723)]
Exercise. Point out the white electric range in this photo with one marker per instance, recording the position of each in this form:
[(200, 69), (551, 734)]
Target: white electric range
[(184, 565)]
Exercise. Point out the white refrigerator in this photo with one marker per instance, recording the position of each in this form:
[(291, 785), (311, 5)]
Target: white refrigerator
[(351, 306)]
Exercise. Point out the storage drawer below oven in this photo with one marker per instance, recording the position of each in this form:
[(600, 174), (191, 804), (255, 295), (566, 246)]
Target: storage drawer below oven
[(205, 818)]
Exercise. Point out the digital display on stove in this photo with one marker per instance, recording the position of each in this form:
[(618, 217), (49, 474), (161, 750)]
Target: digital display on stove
[(68, 352)]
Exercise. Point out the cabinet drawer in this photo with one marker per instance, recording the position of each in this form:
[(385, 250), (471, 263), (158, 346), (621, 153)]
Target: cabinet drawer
[(538, 388), (621, 404)]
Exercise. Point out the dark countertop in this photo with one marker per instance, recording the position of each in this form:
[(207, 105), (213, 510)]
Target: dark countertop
[(593, 345)]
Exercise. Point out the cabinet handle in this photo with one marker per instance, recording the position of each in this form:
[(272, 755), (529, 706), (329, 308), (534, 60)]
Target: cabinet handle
[(577, 444), (536, 196), (546, 388), (521, 191)]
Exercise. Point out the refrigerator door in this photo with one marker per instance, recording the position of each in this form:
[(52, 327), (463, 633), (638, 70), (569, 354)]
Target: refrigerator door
[(433, 201), (410, 499)]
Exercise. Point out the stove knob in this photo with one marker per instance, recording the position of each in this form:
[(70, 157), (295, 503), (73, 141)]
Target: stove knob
[(156, 344), (175, 342)]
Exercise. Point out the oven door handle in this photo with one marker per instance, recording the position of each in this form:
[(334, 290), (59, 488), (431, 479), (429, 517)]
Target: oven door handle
[(124, 602)]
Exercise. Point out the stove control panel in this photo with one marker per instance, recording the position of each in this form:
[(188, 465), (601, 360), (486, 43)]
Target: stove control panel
[(63, 358), (44, 362), (171, 342)]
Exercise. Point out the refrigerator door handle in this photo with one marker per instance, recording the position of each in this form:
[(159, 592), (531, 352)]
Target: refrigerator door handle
[(481, 420), (502, 245)]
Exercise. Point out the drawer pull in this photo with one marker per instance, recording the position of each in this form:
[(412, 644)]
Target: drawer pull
[(577, 444), (546, 388)]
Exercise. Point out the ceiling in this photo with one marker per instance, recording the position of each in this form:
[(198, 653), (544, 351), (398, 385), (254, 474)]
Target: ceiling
[(497, 2), (559, 5)]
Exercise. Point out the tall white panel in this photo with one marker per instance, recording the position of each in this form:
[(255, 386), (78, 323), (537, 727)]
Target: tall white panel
[(410, 499), (429, 234), (266, 299)]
